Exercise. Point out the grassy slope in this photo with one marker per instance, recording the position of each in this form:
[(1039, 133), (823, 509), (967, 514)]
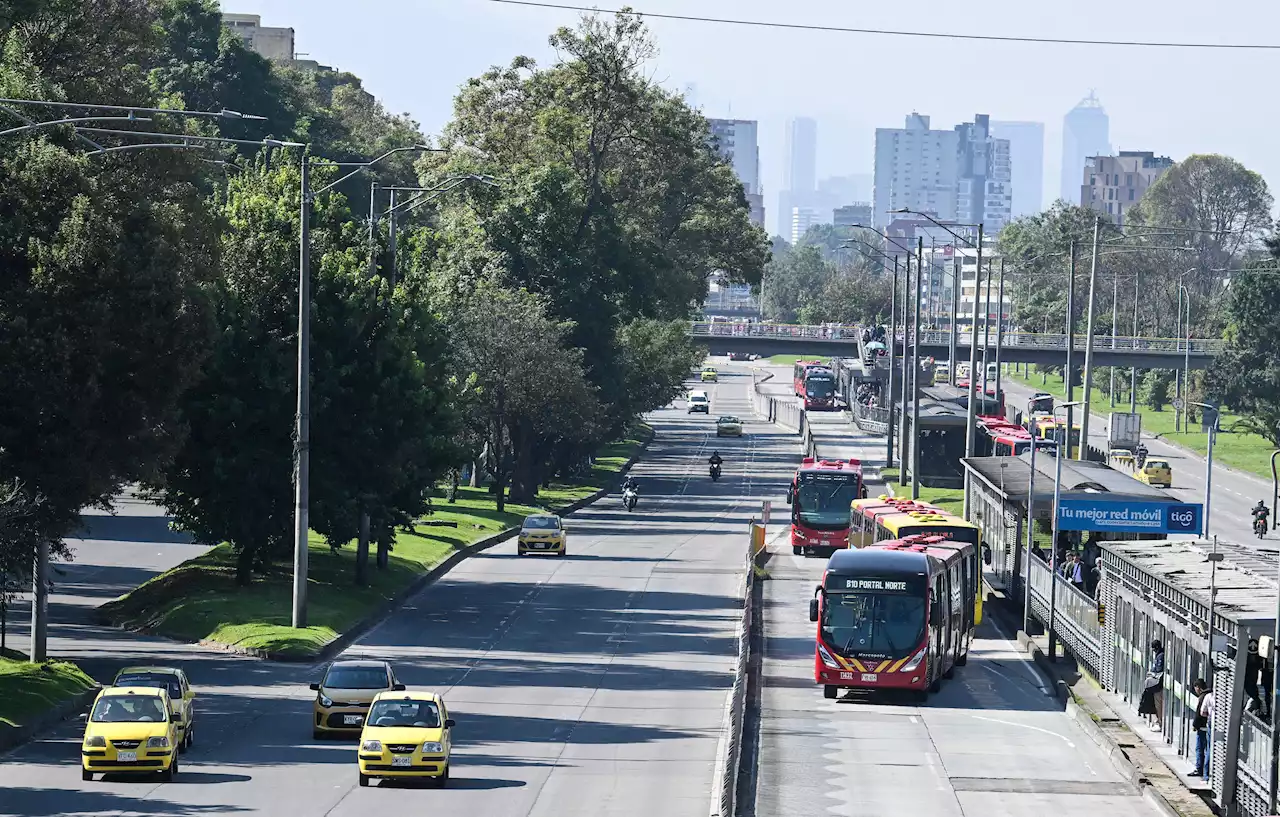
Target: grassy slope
[(1238, 449), (950, 499), (28, 689), (791, 360), (200, 600)]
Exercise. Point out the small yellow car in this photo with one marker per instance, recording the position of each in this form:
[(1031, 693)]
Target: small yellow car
[(1157, 472), (710, 375), (408, 734), (181, 697), (1121, 458), (130, 730), (542, 533), (345, 694), (728, 426)]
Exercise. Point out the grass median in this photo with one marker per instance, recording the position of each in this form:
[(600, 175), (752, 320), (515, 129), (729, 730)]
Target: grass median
[(949, 499), (27, 690), (200, 600), (1234, 447)]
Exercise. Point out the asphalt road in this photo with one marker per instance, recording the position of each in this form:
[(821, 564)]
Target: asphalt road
[(1234, 493), (990, 743), (592, 684)]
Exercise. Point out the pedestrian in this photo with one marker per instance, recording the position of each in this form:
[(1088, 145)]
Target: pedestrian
[(1252, 671), (1077, 576), (1204, 712), (1152, 703)]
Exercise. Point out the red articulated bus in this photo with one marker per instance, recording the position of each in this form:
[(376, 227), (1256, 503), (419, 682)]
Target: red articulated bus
[(898, 615), (1001, 438), (819, 391), (820, 495), (802, 368)]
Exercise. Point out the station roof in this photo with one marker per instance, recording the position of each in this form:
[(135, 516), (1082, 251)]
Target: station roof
[(1012, 476), (1243, 596)]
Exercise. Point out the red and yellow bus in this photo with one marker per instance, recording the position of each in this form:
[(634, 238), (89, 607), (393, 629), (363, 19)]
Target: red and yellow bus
[(895, 616), (863, 514), (820, 495)]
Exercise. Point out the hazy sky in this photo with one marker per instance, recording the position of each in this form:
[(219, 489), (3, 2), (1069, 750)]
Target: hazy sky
[(413, 54)]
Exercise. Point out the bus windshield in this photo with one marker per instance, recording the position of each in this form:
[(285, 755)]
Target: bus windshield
[(819, 386), (874, 625), (822, 499)]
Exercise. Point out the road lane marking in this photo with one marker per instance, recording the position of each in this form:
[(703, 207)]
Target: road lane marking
[(1062, 738)]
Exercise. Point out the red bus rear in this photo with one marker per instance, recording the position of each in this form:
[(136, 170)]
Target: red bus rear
[(820, 495), (895, 616)]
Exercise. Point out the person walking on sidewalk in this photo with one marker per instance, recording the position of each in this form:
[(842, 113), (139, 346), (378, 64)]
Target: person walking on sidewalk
[(1152, 701), (1204, 712)]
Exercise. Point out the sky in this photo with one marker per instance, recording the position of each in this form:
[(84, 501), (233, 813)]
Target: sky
[(414, 54)]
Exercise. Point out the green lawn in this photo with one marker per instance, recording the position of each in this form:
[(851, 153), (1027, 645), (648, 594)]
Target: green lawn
[(791, 360), (1236, 448), (951, 499), (199, 599), (28, 689)]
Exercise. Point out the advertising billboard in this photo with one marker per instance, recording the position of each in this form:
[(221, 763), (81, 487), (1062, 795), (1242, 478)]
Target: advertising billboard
[(1116, 515)]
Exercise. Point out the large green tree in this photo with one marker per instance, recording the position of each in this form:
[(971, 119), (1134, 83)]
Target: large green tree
[(1247, 375)]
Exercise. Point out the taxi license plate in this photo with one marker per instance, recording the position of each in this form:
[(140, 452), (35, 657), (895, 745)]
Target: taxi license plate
[(352, 720), (539, 545), (869, 677), (127, 757), (401, 761)]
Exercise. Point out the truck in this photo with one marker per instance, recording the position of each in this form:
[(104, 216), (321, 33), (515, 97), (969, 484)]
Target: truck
[(1124, 430)]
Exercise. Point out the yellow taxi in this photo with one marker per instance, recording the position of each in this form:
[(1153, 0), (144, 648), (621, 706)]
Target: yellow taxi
[(1121, 458), (407, 735), (181, 697), (130, 730), (710, 375), (542, 533), (728, 426), (344, 695), (1157, 472)]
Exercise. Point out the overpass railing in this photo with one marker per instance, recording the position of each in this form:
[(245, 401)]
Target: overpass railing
[(1022, 340), (1075, 618)]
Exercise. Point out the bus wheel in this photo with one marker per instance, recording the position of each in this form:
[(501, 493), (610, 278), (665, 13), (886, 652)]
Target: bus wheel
[(951, 670), (796, 550), (936, 685), (963, 659), (830, 692)]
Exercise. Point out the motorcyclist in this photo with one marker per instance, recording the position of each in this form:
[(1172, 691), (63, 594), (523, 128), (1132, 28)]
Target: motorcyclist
[(715, 459), (1140, 456), (1260, 511), (631, 484)]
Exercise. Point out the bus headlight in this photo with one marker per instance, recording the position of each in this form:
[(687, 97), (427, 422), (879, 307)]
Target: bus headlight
[(826, 657), (915, 660)]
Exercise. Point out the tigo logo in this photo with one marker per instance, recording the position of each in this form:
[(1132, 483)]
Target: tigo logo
[(1184, 518)]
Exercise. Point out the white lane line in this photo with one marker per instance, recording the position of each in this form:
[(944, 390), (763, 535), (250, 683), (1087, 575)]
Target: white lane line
[(1062, 738)]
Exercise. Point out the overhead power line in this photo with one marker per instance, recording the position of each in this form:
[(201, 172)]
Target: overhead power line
[(937, 35)]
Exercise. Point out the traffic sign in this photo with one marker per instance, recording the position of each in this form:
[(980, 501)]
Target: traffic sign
[(764, 512), (1178, 404)]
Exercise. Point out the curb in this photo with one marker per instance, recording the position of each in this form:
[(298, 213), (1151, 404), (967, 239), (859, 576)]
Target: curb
[(12, 738), (362, 627)]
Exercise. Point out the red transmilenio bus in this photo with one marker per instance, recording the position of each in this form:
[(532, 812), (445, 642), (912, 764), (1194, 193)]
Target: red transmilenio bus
[(895, 616), (801, 369), (820, 495), (819, 390)]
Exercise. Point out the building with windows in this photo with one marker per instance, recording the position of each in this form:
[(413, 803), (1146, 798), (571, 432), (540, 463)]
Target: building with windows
[(738, 142), (962, 174), (1113, 184), (1085, 132), (1026, 154), (800, 173), (802, 218), (858, 213), (273, 43)]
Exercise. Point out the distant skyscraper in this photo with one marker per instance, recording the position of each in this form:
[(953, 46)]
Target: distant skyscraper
[(1086, 131), (802, 156), (1026, 155), (1113, 184), (802, 218), (857, 213), (737, 140), (956, 175)]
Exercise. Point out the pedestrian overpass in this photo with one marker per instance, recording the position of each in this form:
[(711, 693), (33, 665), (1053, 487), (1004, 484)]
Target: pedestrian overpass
[(767, 339)]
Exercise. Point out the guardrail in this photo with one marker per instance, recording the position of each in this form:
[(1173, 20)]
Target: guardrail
[(875, 419), (1254, 764), (1021, 340), (729, 756), (1075, 617), (787, 414)]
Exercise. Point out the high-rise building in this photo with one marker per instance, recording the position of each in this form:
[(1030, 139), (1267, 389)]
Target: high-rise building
[(858, 213), (1026, 154), (738, 142), (1085, 132), (802, 218), (1113, 184), (802, 156), (272, 43), (956, 175)]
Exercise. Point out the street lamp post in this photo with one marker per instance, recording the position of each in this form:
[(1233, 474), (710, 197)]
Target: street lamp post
[(915, 375), (1088, 347), (1211, 427), (1053, 557), (1031, 524), (906, 376), (999, 326), (955, 314)]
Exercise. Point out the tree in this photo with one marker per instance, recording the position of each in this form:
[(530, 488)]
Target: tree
[(1247, 374), (790, 279), (850, 296), (1155, 389), (656, 359)]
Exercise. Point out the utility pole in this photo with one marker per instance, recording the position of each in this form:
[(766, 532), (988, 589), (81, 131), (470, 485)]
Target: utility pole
[(302, 432), (971, 422), (1088, 346), (955, 315), (893, 334), (1133, 370), (1115, 301), (1000, 329), (1031, 525), (906, 375), (1064, 444), (373, 228), (986, 328), (391, 240), (915, 375)]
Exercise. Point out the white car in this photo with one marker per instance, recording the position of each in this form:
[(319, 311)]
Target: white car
[(698, 401)]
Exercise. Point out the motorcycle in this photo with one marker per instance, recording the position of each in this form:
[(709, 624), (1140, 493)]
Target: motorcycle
[(629, 498), (715, 472), (1260, 526)]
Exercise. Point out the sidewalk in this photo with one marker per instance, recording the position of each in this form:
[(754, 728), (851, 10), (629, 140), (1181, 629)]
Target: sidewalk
[(1133, 748)]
